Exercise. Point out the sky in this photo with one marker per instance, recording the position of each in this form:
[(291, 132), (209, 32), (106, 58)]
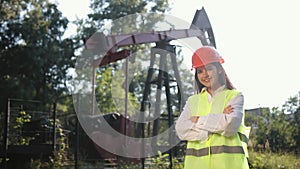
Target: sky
[(259, 40)]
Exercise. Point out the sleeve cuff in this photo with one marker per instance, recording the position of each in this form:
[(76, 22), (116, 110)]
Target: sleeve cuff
[(203, 136)]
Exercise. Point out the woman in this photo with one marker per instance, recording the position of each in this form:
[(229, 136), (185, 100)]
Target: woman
[(212, 119)]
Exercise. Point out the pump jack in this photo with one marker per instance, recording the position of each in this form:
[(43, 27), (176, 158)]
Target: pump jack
[(200, 28)]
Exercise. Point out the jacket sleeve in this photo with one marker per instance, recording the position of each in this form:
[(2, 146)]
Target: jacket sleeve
[(186, 129), (224, 124)]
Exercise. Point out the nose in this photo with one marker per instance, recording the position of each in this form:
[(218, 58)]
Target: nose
[(204, 72)]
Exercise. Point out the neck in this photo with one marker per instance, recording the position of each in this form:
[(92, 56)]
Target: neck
[(212, 89)]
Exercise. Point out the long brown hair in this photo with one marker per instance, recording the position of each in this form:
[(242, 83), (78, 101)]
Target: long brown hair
[(223, 79)]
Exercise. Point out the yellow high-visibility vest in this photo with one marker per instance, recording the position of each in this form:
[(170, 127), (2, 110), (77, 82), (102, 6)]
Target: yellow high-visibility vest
[(217, 152)]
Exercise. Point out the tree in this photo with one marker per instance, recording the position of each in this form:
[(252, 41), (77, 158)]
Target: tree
[(108, 11), (34, 56), (292, 109), (279, 127)]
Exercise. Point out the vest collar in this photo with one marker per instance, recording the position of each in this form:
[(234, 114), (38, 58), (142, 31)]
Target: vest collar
[(204, 89)]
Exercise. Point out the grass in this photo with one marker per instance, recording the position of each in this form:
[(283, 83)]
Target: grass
[(268, 160)]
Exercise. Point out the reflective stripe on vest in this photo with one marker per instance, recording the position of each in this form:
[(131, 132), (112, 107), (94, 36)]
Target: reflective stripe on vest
[(217, 149)]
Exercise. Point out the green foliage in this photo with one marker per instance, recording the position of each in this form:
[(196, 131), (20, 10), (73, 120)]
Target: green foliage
[(275, 130), (261, 160), (104, 91), (23, 118), (38, 164), (107, 11), (34, 56), (292, 104), (162, 161), (115, 9), (20, 120)]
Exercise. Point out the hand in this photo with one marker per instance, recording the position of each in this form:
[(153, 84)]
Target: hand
[(194, 119), (228, 109)]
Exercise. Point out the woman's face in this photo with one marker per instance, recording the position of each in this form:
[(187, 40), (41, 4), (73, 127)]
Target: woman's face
[(208, 75)]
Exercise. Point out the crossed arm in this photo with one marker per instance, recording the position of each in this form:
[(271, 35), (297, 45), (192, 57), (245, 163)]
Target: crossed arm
[(227, 123)]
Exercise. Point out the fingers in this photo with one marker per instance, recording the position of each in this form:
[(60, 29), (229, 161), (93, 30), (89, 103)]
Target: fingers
[(228, 109), (194, 119)]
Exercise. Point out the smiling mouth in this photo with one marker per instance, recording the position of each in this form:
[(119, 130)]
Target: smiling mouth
[(206, 79)]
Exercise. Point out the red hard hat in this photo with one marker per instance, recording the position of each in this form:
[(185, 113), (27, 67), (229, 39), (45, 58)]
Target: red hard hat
[(205, 55)]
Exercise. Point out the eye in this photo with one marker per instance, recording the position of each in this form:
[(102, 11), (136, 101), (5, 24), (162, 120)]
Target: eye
[(199, 71)]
